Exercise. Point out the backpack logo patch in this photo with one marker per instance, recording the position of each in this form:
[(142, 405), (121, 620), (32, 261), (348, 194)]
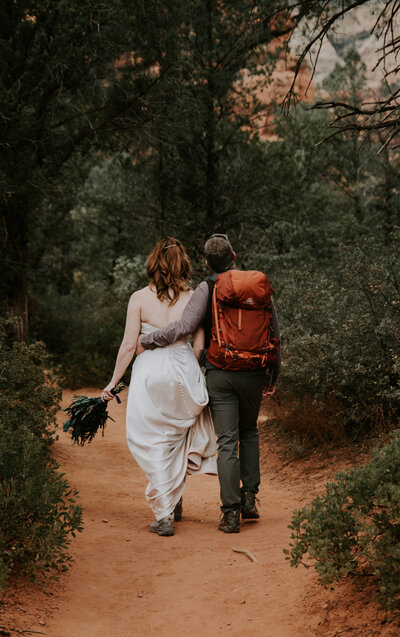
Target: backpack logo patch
[(249, 301)]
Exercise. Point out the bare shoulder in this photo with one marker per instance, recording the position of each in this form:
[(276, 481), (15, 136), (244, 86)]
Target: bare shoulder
[(138, 297)]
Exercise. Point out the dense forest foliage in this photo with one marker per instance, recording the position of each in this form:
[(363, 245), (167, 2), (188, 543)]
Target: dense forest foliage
[(126, 123)]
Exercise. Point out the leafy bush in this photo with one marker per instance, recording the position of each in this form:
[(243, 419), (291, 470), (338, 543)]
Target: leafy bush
[(341, 336), (83, 329), (38, 507), (29, 397), (38, 510), (355, 526)]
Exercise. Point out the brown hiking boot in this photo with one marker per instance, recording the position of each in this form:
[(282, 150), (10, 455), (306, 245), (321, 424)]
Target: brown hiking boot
[(230, 522), (248, 507)]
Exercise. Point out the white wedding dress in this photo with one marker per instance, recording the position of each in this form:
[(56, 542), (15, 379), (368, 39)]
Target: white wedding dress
[(168, 424)]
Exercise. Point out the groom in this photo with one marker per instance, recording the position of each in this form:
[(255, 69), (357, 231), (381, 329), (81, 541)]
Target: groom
[(235, 395)]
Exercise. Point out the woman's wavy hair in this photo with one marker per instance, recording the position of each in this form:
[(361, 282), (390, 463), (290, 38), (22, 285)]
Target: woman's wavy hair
[(168, 269)]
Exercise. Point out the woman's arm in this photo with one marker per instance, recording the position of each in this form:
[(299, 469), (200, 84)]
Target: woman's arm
[(198, 342), (127, 347)]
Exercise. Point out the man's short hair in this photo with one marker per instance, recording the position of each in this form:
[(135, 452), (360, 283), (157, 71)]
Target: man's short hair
[(219, 253)]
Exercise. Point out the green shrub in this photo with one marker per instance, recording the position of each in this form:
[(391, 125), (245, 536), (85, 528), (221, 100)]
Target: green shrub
[(355, 526), (38, 513), (29, 397), (38, 510), (341, 336), (83, 329)]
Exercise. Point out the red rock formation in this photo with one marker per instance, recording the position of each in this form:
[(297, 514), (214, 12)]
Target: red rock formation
[(269, 91)]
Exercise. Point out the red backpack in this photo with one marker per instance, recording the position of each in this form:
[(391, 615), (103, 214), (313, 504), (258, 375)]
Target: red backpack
[(241, 319)]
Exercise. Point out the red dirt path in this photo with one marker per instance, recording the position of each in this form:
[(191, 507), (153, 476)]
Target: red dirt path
[(126, 582)]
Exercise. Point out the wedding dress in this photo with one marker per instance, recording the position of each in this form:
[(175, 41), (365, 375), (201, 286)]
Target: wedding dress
[(169, 427)]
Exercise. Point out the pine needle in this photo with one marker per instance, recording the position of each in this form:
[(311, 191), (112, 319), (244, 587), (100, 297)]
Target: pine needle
[(87, 416)]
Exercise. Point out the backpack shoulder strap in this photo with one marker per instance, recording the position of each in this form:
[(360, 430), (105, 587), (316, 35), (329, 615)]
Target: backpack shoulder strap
[(211, 283), (214, 309), (208, 319)]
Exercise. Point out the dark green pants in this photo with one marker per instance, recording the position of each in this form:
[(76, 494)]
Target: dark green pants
[(235, 399)]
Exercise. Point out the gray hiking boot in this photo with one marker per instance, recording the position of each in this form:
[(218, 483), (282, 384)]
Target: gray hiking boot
[(165, 526)]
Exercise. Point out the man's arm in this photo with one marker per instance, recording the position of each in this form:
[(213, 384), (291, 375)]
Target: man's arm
[(192, 317)]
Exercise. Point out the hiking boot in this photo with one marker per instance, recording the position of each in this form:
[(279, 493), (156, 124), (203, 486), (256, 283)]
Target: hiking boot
[(178, 511), (165, 526), (230, 522), (248, 507)]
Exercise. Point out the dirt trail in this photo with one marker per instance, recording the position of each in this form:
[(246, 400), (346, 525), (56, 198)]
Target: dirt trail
[(127, 582)]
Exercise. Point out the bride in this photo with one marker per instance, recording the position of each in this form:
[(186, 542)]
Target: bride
[(169, 429)]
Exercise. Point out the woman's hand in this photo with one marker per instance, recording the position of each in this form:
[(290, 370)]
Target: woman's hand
[(106, 394)]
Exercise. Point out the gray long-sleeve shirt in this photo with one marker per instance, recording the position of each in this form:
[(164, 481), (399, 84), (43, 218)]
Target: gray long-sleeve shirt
[(193, 316)]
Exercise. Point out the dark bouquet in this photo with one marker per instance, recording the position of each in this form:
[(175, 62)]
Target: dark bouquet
[(88, 415)]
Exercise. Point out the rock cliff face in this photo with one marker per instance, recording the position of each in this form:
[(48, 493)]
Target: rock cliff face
[(270, 90), (353, 31)]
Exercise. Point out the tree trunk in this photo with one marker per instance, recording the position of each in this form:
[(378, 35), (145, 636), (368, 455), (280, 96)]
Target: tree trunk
[(210, 124), (14, 246), (162, 189), (18, 313)]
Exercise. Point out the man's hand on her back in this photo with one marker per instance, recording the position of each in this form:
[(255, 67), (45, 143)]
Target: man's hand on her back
[(269, 391), (139, 347)]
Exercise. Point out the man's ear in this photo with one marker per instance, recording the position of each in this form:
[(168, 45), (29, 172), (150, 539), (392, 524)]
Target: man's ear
[(208, 265), (234, 256)]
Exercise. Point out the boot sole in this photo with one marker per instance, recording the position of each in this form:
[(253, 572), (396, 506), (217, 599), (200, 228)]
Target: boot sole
[(165, 533), (162, 533)]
